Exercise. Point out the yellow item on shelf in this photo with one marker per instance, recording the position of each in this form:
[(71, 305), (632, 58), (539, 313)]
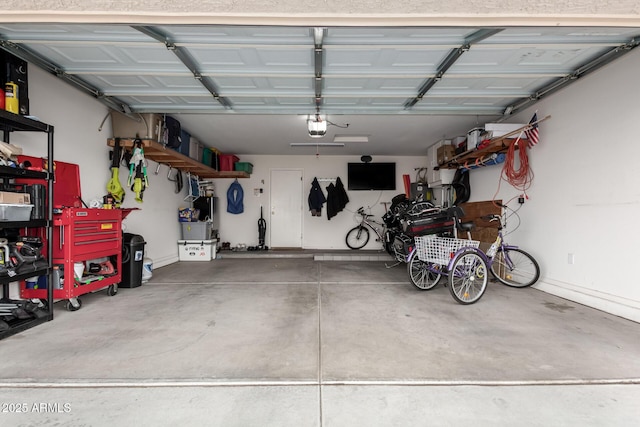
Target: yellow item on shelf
[(11, 103)]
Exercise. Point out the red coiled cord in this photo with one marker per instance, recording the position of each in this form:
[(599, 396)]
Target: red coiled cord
[(522, 177)]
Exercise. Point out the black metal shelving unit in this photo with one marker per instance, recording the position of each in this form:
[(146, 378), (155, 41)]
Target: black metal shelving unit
[(9, 123)]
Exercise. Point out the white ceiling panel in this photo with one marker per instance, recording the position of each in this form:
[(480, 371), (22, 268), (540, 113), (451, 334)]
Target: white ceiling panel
[(301, 70), (526, 59), (209, 35), (382, 60), (253, 60)]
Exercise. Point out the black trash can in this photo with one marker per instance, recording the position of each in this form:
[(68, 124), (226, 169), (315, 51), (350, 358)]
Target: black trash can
[(132, 260)]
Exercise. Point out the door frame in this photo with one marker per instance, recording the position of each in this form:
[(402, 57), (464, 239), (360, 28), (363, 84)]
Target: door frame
[(272, 191)]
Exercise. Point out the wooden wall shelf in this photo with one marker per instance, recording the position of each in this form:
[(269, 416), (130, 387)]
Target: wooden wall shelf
[(168, 156), (496, 146), (469, 158)]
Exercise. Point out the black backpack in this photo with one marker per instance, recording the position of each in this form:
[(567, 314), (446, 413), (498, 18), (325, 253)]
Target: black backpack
[(173, 136)]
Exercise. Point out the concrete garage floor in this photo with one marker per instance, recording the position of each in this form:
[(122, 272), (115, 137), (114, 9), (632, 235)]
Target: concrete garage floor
[(298, 342)]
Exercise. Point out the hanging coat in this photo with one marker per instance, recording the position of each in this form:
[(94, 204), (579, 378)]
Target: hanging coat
[(332, 201), (337, 198), (316, 198), (234, 198), (341, 195)]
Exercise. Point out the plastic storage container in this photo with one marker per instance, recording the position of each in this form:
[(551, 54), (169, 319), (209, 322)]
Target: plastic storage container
[(207, 156), (186, 143), (14, 212), (196, 230), (227, 161), (132, 260), (244, 167), (145, 126), (197, 250)]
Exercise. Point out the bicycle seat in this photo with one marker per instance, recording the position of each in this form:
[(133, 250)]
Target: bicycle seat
[(466, 226)]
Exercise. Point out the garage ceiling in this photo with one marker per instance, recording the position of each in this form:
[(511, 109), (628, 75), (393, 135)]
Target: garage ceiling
[(250, 89)]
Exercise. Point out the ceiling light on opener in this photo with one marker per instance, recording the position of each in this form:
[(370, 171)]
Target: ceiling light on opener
[(317, 127)]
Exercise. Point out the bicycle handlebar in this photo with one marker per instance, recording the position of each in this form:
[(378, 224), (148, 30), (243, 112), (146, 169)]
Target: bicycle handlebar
[(362, 213)]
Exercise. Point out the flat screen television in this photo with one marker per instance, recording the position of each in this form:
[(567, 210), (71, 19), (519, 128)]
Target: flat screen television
[(371, 176)]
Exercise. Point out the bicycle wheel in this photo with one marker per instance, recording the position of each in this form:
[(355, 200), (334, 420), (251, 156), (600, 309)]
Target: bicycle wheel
[(468, 277), (516, 268), (423, 278), (357, 237)]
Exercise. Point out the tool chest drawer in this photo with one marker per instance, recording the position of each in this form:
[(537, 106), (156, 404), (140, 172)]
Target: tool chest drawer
[(87, 231)]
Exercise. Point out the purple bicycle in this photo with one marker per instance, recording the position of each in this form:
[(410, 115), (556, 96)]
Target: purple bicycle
[(465, 264)]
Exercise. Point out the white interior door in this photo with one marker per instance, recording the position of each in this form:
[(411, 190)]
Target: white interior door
[(286, 208)]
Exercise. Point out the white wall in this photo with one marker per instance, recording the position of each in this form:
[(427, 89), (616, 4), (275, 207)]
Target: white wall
[(77, 118), (585, 197), (318, 232)]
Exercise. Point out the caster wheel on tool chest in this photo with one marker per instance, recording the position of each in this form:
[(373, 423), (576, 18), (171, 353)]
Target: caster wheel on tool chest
[(71, 307), (112, 290)]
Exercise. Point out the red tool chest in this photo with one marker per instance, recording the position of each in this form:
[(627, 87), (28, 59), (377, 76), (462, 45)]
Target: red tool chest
[(81, 235)]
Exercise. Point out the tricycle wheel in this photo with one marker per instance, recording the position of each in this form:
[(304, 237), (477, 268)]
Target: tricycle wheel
[(468, 277), (112, 290), (73, 304)]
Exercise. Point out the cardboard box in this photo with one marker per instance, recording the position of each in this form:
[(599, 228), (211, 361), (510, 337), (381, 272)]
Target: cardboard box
[(445, 153), (188, 214), (11, 198)]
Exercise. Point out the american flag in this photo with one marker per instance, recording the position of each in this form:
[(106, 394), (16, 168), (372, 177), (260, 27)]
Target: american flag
[(532, 132)]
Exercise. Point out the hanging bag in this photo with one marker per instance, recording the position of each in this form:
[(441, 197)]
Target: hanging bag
[(173, 132)]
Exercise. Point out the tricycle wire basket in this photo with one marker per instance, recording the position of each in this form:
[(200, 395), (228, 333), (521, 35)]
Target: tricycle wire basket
[(440, 250)]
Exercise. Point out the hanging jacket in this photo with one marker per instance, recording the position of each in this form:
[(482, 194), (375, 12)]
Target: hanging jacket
[(337, 198), (341, 195), (234, 198), (316, 198), (332, 201)]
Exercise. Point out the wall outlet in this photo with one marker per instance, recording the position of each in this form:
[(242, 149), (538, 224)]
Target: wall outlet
[(571, 258)]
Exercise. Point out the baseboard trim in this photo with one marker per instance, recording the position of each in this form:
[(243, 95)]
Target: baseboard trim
[(164, 261), (608, 303)]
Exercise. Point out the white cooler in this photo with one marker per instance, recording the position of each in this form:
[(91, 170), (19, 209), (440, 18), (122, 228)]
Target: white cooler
[(197, 250)]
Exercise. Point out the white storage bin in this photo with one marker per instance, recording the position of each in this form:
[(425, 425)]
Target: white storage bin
[(447, 175), (15, 212), (500, 129), (197, 250), (195, 149), (474, 138)]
